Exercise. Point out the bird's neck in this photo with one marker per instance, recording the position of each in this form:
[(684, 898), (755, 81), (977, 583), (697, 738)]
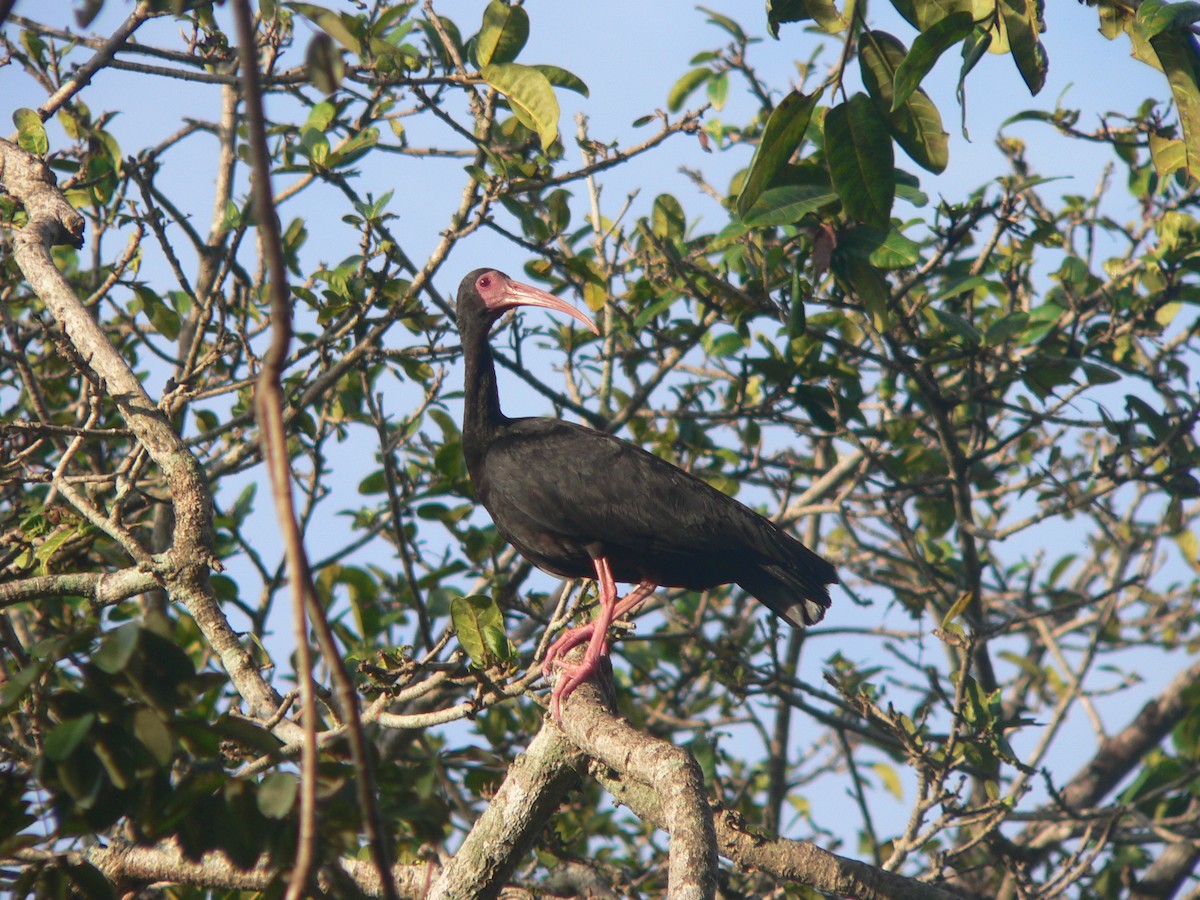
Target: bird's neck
[(481, 403)]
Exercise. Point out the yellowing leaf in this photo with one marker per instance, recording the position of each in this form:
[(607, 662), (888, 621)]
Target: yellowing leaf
[(957, 609), (1176, 52), (890, 779), (530, 96)]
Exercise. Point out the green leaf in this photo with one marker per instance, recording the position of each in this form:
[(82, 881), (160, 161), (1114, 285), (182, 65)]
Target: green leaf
[(339, 26), (1023, 22), (823, 12), (1189, 546), (1176, 52), (927, 47), (960, 326), (667, 219), (787, 204), (164, 319), (957, 609), (915, 123), (974, 48), (60, 742), (473, 617), (718, 90), (924, 14), (277, 794), (859, 151), (324, 63), (960, 286), (560, 77), (888, 249), (154, 735), (890, 779), (782, 136), (31, 133), (530, 96), (502, 35), (864, 283), (1154, 16), (684, 87), (116, 648), (314, 145), (1004, 329), (1168, 154)]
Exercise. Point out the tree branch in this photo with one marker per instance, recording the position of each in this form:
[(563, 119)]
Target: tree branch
[(535, 785)]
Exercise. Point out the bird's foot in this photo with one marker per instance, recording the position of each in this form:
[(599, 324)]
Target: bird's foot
[(569, 640), (572, 675), (583, 634)]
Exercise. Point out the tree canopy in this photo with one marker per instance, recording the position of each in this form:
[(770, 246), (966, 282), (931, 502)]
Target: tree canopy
[(259, 637)]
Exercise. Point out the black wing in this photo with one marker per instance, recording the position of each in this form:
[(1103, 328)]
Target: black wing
[(563, 494)]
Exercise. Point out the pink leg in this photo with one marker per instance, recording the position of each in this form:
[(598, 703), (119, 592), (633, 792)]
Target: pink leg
[(595, 633), (572, 638)]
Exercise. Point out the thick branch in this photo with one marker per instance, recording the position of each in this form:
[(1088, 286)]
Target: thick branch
[(674, 776), (650, 777), (103, 589), (123, 863), (536, 784)]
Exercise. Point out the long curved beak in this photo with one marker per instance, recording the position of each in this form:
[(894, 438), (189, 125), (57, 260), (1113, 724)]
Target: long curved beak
[(517, 294)]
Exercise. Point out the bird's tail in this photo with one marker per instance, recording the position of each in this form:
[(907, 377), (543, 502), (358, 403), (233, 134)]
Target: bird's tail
[(795, 591)]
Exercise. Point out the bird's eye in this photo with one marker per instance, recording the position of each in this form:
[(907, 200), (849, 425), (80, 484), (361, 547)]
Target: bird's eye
[(485, 281)]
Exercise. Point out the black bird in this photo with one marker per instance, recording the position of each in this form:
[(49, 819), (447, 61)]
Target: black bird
[(579, 503)]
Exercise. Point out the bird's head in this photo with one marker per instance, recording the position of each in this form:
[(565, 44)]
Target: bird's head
[(488, 293)]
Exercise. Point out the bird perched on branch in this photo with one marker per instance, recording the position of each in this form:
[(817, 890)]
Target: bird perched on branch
[(579, 503)]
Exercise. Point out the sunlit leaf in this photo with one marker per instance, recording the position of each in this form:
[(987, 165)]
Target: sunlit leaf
[(560, 77), (342, 27), (667, 219), (787, 204), (925, 14), (117, 647), (890, 778), (859, 150), (1168, 154), (824, 12), (927, 47), (277, 794), (62, 740), (1177, 54), (502, 35), (529, 95), (957, 608), (915, 123), (1155, 16), (1023, 22), (473, 617), (683, 88), (31, 133), (781, 138), (884, 249)]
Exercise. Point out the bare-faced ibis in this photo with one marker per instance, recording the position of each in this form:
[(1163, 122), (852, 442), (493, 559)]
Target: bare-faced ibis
[(579, 503)]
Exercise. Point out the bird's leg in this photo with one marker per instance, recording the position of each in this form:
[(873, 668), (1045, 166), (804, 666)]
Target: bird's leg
[(572, 638), (595, 633)]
